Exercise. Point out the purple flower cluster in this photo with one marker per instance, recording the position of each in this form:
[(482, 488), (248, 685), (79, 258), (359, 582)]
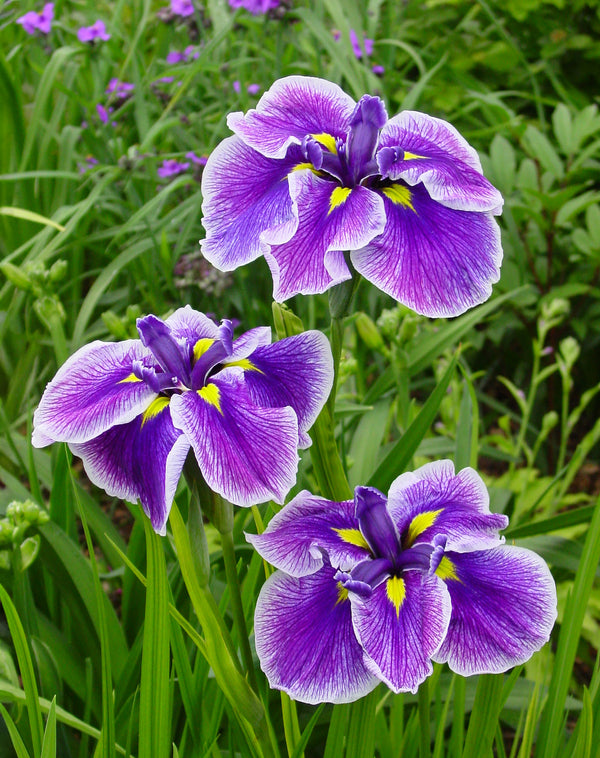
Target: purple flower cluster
[(33, 22), (189, 54), (251, 89), (171, 167), (255, 7), (182, 8), (91, 34), (375, 589), (359, 51)]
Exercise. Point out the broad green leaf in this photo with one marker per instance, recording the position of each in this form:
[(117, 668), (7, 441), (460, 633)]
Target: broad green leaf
[(541, 149), (26, 215)]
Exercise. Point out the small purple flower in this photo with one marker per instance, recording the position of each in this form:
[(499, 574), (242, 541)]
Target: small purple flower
[(182, 7), (132, 410), (236, 85), (90, 161), (253, 89), (119, 89), (96, 31), (377, 588), (378, 70), (103, 113), (171, 167), (198, 160), (310, 174), (255, 7), (356, 46), (176, 57), (41, 22)]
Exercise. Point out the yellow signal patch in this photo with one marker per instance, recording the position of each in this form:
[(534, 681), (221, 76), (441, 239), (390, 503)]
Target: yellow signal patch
[(418, 525), (447, 570), (338, 197), (396, 592), (399, 194), (342, 593), (202, 346), (211, 394), (130, 378), (353, 537), (245, 364), (327, 140), (413, 156), (156, 406)]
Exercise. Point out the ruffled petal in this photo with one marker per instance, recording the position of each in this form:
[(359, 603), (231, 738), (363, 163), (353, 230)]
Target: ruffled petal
[(296, 371), (291, 109), (306, 530), (246, 204), (400, 626), (434, 500), (417, 148), (305, 642), (332, 219), (189, 325), (435, 260), (503, 609), (248, 342), (246, 453), (142, 459), (92, 391)]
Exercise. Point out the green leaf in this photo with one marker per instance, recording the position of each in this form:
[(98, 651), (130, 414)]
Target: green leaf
[(541, 149), (568, 641), (49, 744), (484, 716), (504, 164), (17, 740), (563, 128), (396, 461), (21, 646), (155, 705), (31, 216)]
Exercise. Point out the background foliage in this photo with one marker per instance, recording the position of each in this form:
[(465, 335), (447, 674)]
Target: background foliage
[(91, 237)]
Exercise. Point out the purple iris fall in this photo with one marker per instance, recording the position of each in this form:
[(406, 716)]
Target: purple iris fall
[(131, 410), (41, 22), (376, 589), (311, 175)]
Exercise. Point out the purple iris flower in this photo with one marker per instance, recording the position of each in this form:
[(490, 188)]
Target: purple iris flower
[(255, 7), (131, 410), (376, 589), (310, 174), (96, 31), (41, 22), (119, 89), (171, 167), (182, 7)]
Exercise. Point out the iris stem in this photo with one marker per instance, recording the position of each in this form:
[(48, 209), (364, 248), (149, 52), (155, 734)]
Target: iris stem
[(237, 607), (336, 338), (424, 720)]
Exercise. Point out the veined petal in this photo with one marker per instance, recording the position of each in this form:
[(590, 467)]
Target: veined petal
[(92, 391), (435, 260), (291, 109), (305, 641), (248, 342), (246, 204), (503, 609), (296, 371), (246, 453), (190, 325), (432, 151), (400, 626), (434, 500), (306, 529), (141, 459), (332, 219)]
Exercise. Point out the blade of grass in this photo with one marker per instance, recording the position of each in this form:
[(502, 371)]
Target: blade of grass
[(49, 744), (16, 739)]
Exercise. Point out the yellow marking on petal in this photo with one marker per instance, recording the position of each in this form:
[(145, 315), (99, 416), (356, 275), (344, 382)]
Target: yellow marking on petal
[(156, 406), (327, 140), (396, 592), (338, 197), (413, 156), (301, 166), (399, 195), (202, 346), (245, 364), (418, 525), (130, 378), (211, 394), (447, 570), (342, 593), (353, 537)]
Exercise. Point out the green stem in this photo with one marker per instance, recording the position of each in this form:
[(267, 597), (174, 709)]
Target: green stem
[(424, 721), (537, 347), (237, 607), (336, 338)]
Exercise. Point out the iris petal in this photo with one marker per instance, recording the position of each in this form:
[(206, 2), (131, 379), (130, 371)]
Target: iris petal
[(503, 609), (309, 618), (435, 260), (93, 390)]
